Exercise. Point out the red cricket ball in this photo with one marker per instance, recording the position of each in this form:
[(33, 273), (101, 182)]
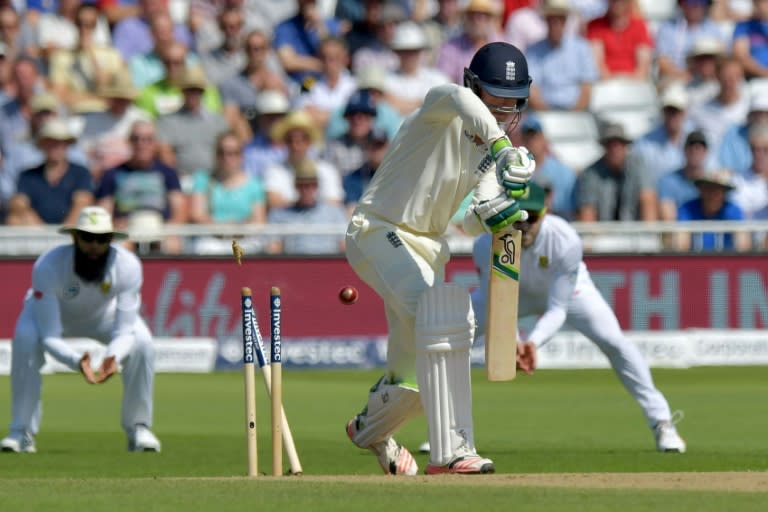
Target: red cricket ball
[(348, 295)]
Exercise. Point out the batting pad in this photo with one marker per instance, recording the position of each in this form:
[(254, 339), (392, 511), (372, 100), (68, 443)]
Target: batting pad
[(444, 331), (389, 407)]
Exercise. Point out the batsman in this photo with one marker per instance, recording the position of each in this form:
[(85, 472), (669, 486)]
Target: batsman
[(453, 145)]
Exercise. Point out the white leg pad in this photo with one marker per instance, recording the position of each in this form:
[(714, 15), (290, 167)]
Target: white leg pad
[(444, 332), (389, 407)]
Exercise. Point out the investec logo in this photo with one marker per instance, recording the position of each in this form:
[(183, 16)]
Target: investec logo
[(248, 355), (276, 339)]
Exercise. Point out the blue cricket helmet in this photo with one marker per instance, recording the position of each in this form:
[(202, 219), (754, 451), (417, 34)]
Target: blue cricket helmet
[(500, 69)]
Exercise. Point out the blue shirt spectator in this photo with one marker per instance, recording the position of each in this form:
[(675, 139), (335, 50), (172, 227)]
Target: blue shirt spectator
[(734, 152), (750, 39), (560, 71), (136, 189), (677, 188), (53, 201), (132, 36), (710, 241)]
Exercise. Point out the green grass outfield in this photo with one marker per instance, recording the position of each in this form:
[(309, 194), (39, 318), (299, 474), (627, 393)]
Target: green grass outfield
[(542, 426)]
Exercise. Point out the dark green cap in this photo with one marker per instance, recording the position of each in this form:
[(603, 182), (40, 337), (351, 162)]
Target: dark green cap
[(534, 199)]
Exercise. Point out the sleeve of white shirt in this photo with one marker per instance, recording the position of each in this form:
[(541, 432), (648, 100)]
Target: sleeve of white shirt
[(45, 307), (560, 292), (128, 304)]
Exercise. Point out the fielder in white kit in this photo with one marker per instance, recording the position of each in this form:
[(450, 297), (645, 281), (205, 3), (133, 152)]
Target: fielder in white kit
[(90, 289), (556, 286), (454, 144)]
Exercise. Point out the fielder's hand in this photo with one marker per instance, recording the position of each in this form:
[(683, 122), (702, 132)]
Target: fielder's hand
[(526, 357), (86, 370), (499, 212), (108, 369), (514, 166)]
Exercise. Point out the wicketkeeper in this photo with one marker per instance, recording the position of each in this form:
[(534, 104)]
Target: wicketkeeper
[(92, 289), (454, 144)]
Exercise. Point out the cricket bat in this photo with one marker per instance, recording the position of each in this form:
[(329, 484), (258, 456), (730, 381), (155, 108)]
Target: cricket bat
[(503, 294)]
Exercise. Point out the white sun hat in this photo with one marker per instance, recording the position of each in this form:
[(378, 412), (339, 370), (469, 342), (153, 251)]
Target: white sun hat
[(96, 220)]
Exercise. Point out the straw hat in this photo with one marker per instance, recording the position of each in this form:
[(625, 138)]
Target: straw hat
[(44, 102), (296, 120), (96, 220), (193, 78), (305, 171), (56, 129), (120, 88), (556, 8), (492, 7)]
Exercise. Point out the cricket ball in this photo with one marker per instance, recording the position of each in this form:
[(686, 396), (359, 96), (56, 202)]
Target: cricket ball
[(348, 295)]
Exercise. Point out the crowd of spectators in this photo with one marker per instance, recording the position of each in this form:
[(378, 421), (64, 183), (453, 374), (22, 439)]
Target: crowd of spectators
[(279, 111)]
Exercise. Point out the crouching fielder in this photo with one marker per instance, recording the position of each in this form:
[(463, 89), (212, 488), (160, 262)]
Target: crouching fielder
[(555, 284), (92, 289), (454, 144)]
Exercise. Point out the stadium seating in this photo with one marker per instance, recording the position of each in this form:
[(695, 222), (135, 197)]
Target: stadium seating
[(633, 103), (572, 136)]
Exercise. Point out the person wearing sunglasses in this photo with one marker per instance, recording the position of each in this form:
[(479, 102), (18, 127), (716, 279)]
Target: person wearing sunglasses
[(453, 145), (556, 286), (86, 289)]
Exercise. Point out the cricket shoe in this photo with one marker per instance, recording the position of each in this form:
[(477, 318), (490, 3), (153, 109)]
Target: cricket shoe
[(143, 440), (471, 464), (18, 442), (393, 458), (667, 438)]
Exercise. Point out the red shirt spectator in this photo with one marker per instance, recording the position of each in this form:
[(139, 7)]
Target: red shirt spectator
[(621, 41)]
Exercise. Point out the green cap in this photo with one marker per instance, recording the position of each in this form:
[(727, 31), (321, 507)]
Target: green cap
[(534, 198)]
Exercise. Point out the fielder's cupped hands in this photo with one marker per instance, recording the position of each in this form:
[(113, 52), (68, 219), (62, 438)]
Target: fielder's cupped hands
[(108, 369), (526, 357), (86, 370)]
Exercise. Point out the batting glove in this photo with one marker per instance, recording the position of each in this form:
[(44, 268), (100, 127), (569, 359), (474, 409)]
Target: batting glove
[(499, 212), (514, 166)]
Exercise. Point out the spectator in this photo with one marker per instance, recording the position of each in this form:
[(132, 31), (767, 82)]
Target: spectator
[(132, 35), (677, 36), (751, 189), (13, 34), (117, 10), (481, 26), (347, 153), (152, 66), (357, 181), (26, 153), (362, 32), (712, 204), (661, 149), (261, 151), (227, 194), (525, 25), (446, 24), (228, 58), (309, 208), (58, 30), (105, 134), (55, 191), (371, 80), (165, 96), (6, 85), (377, 52), (562, 66), (678, 187), (750, 41), (299, 133), (144, 183), (187, 137), (16, 112), (615, 187), (297, 41), (78, 73), (333, 86), (621, 42), (728, 108), (735, 152), (549, 170), (702, 67), (406, 87)]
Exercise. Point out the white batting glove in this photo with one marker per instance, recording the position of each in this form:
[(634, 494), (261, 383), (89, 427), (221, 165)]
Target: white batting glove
[(499, 212), (514, 166)]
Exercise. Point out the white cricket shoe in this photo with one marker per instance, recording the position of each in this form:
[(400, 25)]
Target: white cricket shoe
[(471, 464), (18, 442), (393, 458), (143, 440), (667, 438)]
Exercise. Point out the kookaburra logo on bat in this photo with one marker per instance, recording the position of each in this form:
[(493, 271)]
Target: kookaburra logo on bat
[(510, 250)]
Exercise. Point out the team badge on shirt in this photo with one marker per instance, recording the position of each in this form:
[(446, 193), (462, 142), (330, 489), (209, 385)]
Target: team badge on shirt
[(37, 294), (72, 291), (543, 262), (106, 286)]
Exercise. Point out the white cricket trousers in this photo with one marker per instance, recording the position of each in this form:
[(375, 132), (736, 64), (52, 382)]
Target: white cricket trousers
[(27, 357)]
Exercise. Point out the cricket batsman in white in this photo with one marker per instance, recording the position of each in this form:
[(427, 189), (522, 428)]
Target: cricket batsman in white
[(455, 144), (89, 288), (555, 285)]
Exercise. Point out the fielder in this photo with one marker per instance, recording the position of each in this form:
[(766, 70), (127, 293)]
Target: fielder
[(556, 286), (92, 289), (453, 145)]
